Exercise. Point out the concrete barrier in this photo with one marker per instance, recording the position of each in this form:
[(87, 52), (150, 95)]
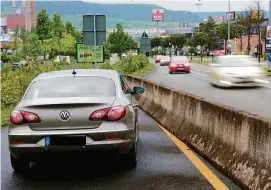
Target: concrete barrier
[(236, 142)]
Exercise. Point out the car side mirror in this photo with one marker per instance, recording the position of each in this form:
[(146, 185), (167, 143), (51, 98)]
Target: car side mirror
[(138, 90)]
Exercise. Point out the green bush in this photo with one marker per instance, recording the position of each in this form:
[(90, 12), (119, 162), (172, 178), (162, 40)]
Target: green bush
[(131, 64), (106, 65)]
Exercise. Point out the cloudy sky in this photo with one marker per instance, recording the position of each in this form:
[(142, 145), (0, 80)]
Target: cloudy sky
[(190, 5)]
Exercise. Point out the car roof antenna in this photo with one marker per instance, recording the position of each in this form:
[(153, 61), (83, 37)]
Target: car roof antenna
[(74, 73)]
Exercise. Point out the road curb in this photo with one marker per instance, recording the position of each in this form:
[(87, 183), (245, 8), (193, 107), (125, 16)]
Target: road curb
[(143, 76)]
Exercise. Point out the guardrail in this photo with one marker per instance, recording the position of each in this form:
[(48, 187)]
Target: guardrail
[(236, 142)]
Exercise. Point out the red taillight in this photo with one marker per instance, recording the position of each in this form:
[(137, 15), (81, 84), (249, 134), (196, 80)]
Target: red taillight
[(22, 117), (110, 114), (99, 115), (16, 118)]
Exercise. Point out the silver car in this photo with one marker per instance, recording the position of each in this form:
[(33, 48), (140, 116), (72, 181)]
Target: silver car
[(235, 71), (74, 111), (164, 60)]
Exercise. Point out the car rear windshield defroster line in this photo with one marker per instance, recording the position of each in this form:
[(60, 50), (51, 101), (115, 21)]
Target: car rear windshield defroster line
[(72, 87)]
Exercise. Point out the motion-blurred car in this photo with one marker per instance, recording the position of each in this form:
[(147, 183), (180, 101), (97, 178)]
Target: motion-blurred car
[(74, 111), (179, 64), (235, 71), (157, 59), (165, 60), (19, 65)]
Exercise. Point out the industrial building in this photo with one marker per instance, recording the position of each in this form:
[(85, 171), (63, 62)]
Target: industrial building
[(24, 16)]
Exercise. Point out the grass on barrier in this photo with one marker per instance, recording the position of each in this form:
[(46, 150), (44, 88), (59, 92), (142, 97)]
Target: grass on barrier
[(144, 71), (201, 62)]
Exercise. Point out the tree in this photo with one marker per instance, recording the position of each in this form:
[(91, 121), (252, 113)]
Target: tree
[(23, 34), (120, 41), (258, 19), (222, 31), (67, 44), (208, 27), (57, 28), (32, 49), (156, 42), (200, 39), (43, 27), (78, 35), (245, 20), (70, 29), (237, 31), (178, 40)]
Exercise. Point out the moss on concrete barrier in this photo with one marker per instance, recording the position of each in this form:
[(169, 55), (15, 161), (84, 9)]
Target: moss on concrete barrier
[(236, 142)]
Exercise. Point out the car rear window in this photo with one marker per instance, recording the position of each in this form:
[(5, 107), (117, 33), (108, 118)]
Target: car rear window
[(72, 87)]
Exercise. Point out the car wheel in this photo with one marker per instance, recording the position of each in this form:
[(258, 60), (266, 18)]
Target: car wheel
[(19, 165), (130, 157), (188, 72), (170, 72)]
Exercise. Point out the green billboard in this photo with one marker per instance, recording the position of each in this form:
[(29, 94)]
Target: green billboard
[(85, 54)]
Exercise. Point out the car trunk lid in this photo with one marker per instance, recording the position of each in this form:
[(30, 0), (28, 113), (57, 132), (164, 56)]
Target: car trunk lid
[(79, 109)]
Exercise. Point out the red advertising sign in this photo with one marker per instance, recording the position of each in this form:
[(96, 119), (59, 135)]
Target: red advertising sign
[(158, 15), (219, 19), (231, 15)]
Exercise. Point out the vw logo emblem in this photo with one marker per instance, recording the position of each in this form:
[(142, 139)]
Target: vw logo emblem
[(64, 115)]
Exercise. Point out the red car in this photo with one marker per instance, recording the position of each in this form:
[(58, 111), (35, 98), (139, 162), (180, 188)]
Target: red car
[(179, 64), (157, 59)]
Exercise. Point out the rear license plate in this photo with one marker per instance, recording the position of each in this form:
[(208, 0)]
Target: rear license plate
[(65, 141), (180, 69)]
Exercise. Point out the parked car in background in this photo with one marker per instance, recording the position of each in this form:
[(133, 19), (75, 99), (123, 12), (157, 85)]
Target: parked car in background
[(179, 64), (164, 60), (157, 58), (73, 113), (19, 65), (235, 71)]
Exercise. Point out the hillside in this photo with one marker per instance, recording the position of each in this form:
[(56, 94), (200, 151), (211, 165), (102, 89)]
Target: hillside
[(129, 15)]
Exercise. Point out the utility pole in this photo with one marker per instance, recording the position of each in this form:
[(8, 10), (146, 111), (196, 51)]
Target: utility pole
[(198, 4), (229, 25)]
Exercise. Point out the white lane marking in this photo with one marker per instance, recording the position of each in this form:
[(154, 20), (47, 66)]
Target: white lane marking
[(199, 73)]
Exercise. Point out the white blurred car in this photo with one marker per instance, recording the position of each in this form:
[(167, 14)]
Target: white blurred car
[(235, 71)]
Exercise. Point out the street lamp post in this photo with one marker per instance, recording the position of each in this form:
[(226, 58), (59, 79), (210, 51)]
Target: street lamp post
[(229, 25)]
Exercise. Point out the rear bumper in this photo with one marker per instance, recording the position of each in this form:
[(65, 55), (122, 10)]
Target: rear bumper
[(26, 145), (179, 69)]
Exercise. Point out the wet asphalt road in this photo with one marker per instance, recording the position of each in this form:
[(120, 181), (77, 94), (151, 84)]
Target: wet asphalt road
[(161, 166), (253, 100)]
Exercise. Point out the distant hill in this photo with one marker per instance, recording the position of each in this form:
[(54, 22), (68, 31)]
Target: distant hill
[(129, 15)]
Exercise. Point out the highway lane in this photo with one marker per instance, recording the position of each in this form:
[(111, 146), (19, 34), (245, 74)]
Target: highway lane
[(254, 100), (161, 165)]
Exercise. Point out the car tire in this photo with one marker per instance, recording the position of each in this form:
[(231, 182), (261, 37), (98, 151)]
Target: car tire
[(170, 72), (188, 72), (129, 158), (19, 165)]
